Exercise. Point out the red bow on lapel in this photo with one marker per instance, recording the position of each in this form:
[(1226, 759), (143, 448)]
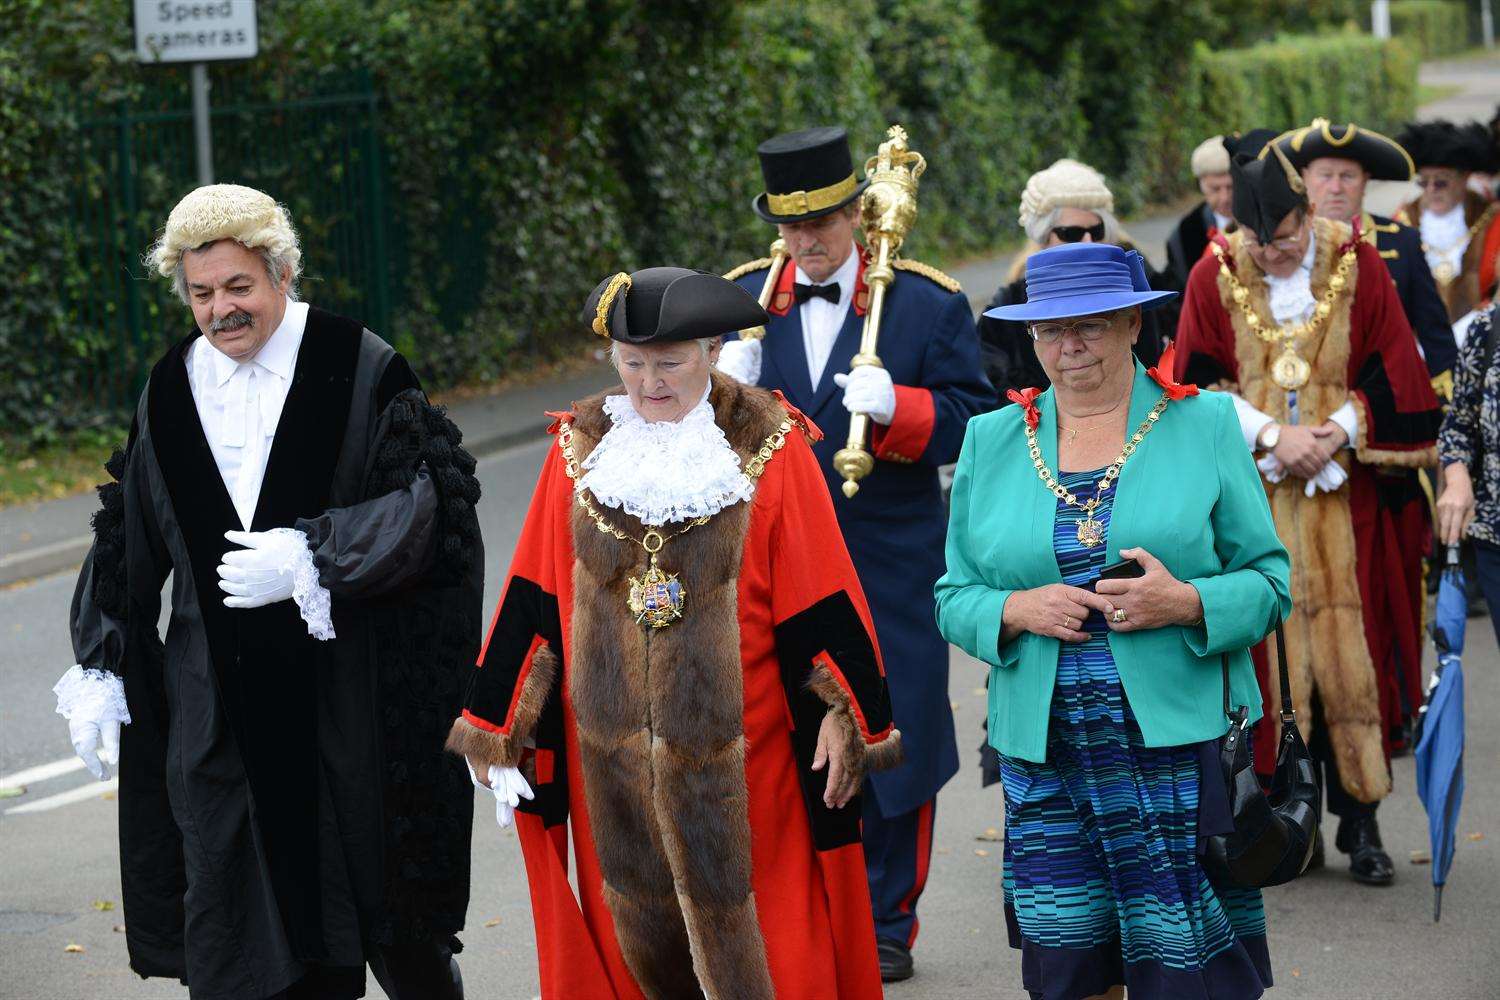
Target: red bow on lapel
[(1026, 399), (1162, 374)]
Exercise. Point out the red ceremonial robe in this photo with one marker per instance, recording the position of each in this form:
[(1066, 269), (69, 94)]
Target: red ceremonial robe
[(1365, 352), (790, 618)]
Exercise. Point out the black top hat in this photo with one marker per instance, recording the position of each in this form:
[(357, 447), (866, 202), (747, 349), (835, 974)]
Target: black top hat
[(1266, 191), (659, 305), (808, 174), (1444, 144), (1250, 143), (1383, 157)]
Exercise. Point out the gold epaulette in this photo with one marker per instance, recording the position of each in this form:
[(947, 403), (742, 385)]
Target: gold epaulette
[(746, 268), (929, 272)]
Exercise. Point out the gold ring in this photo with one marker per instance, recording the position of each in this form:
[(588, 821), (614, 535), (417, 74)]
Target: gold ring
[(1118, 616)]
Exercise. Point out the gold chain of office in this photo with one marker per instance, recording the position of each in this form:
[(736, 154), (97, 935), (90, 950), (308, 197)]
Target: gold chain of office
[(657, 598), (1090, 529), (1290, 371)]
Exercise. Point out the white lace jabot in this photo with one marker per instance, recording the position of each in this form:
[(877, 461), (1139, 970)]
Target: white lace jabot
[(1291, 298), (661, 472), (1445, 238)]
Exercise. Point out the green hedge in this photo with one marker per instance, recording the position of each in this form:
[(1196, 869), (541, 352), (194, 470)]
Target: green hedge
[(534, 146), (1281, 84), (1432, 27)]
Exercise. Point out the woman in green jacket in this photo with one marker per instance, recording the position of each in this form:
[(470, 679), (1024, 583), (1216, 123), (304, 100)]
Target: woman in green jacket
[(1106, 695)]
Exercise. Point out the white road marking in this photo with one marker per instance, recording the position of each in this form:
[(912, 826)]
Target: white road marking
[(42, 772), (92, 790)]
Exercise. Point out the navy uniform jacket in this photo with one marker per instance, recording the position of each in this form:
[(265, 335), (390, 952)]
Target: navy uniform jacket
[(1401, 248), (896, 526)]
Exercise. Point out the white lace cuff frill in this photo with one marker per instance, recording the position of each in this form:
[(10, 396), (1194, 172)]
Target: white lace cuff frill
[(312, 598), (94, 695)]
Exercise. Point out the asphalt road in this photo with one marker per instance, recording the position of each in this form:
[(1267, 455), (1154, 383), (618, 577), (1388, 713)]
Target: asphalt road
[(59, 877)]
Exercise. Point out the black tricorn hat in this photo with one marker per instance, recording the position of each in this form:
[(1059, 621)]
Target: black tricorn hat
[(658, 305), (808, 174), (1382, 156), (1444, 144), (1250, 143), (1266, 191)]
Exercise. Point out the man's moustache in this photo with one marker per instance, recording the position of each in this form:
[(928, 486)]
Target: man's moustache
[(234, 321)]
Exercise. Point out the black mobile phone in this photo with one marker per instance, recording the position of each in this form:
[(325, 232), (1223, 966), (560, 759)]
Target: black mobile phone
[(1125, 569)]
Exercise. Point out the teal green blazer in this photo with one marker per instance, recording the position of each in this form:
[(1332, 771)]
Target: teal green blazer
[(1190, 495)]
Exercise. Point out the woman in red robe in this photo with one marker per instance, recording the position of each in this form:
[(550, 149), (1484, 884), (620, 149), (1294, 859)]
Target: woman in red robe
[(684, 671)]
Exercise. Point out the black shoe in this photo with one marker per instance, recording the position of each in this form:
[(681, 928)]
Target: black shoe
[(1317, 860), (895, 960), (1359, 837)]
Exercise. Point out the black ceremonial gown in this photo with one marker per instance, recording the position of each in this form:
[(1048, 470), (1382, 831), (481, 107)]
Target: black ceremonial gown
[(285, 804)]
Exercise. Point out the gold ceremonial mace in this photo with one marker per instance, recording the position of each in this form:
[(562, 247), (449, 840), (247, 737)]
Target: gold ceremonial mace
[(887, 211), (773, 277)]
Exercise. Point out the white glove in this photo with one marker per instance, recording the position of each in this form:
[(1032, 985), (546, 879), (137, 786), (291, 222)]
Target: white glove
[(740, 360), (1329, 478), (261, 572), (93, 702), (869, 389), (510, 788)]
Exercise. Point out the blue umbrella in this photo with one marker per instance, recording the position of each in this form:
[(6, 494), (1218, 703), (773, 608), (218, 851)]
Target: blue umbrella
[(1440, 727)]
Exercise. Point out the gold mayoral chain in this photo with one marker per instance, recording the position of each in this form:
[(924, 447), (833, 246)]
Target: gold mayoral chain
[(657, 598), (1091, 530), (1290, 370)]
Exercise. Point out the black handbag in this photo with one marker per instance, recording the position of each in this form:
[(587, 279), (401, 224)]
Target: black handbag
[(1275, 831)]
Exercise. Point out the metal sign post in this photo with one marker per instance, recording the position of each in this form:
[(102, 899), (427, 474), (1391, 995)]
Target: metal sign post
[(179, 31)]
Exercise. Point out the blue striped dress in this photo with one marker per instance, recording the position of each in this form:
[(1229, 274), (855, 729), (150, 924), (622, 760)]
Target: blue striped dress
[(1102, 880)]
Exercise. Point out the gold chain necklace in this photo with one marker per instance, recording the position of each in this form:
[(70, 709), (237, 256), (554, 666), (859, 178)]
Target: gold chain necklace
[(1290, 370), (657, 598), (1091, 531), (1445, 273)]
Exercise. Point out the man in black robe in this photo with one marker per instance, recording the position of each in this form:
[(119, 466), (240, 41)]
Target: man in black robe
[(287, 815)]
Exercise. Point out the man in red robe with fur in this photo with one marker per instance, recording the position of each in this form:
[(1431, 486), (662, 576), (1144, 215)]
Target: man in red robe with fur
[(684, 669), (1298, 318)]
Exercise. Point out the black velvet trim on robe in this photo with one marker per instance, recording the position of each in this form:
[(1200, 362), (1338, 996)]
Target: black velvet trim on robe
[(832, 625), (1388, 424), (262, 656)]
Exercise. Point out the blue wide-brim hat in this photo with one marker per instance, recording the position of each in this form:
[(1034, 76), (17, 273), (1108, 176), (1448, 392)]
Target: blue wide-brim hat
[(1082, 279)]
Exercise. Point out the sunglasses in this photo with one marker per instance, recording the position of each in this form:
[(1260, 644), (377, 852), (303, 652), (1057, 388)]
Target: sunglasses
[(1432, 183), (1075, 234)]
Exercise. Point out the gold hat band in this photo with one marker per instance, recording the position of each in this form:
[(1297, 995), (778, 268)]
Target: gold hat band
[(802, 202), (607, 301)]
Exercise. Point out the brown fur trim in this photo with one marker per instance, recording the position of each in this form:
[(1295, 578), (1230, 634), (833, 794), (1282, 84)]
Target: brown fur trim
[(863, 757), (1326, 644), (653, 941), (481, 746), (504, 749)]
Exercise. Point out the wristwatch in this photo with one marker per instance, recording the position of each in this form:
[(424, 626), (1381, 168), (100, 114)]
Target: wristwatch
[(1268, 436)]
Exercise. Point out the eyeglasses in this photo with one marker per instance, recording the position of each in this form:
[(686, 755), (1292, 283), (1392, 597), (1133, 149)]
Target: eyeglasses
[(1286, 244), (1432, 183), (1075, 234), (1090, 329)]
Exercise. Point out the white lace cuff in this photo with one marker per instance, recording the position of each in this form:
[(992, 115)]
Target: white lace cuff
[(93, 695), (312, 598)]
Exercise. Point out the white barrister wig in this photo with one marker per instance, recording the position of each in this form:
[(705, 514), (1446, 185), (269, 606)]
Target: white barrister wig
[(1065, 184), (226, 211), (1210, 157)]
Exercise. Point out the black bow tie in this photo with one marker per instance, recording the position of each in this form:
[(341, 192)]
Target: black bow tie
[(829, 291)]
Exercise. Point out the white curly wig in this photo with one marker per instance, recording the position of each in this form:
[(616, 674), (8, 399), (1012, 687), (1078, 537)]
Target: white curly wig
[(1066, 184), (216, 212)]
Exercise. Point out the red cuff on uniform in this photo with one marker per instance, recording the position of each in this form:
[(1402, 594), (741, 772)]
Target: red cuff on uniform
[(910, 430)]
